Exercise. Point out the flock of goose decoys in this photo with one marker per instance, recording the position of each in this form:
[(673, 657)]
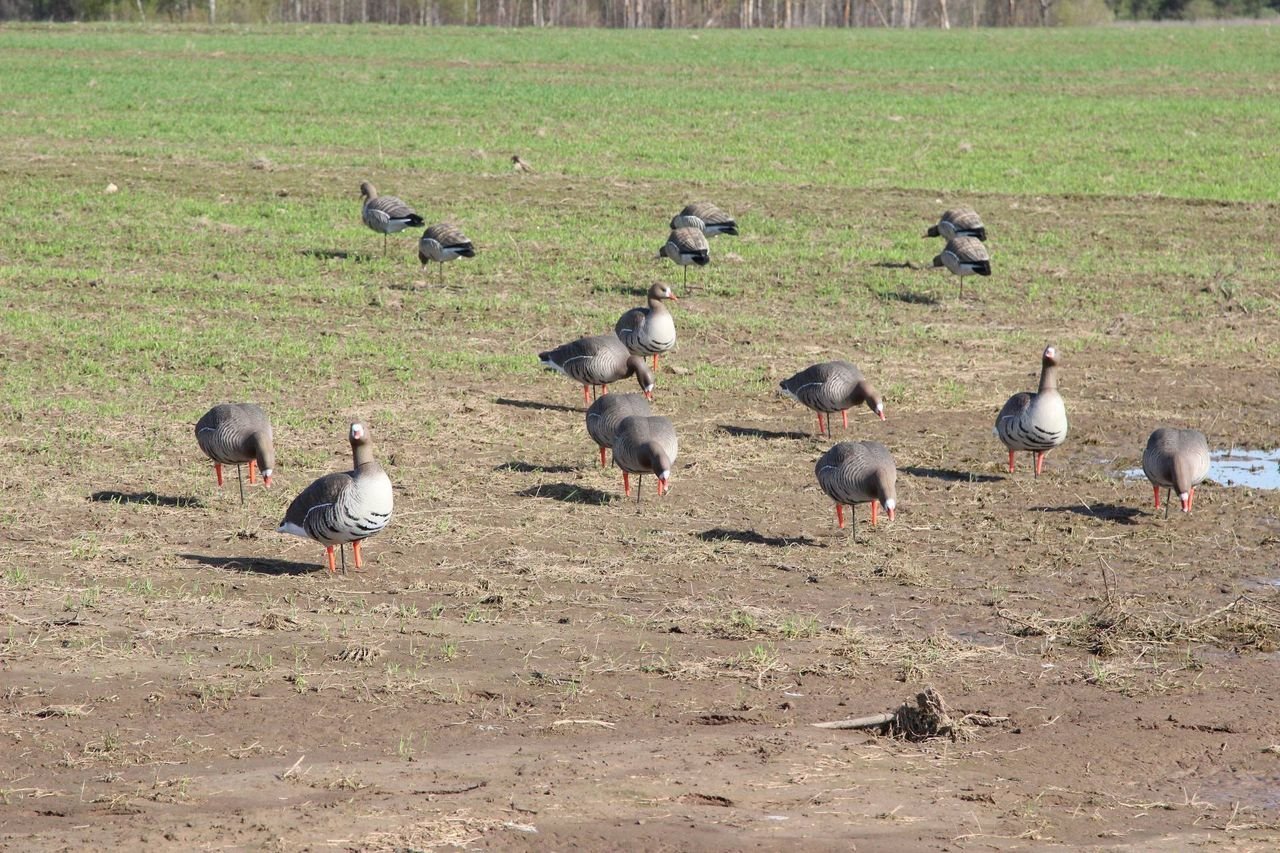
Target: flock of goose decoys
[(351, 506)]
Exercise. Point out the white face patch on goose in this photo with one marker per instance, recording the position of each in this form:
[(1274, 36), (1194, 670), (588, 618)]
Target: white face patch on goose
[(357, 432), (890, 504)]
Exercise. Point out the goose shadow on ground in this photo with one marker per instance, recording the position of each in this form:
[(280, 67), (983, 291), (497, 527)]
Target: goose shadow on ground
[(754, 432), (1105, 512), (951, 475), (537, 406), (337, 255), (110, 496), (256, 565), (567, 493), (521, 467), (910, 297), (751, 537), (623, 289)]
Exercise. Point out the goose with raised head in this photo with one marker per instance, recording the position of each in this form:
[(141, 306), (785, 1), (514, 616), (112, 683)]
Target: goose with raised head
[(645, 445), (686, 246), (651, 330), (706, 217), (235, 433), (442, 243), (349, 506), (607, 412), (1177, 460), (598, 360), (1035, 422), (959, 222), (964, 256), (857, 472), (386, 214), (830, 387)]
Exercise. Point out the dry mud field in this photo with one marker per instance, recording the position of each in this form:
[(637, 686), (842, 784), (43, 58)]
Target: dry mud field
[(532, 662)]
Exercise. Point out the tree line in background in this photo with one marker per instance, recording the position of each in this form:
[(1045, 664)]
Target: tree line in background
[(660, 14)]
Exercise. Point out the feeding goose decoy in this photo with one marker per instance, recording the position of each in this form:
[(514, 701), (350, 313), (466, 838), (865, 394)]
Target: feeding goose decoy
[(443, 243), (651, 330), (1177, 460), (686, 246), (1035, 422), (598, 360), (235, 433), (607, 412), (645, 445), (830, 387), (856, 472), (959, 222), (964, 256), (344, 507), (706, 217), (386, 214)]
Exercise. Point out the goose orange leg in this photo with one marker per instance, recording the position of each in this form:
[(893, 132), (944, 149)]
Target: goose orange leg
[(1156, 489), (822, 427), (844, 416), (874, 513), (626, 484), (586, 394), (604, 389), (840, 515), (1010, 461), (602, 460), (328, 550), (1039, 462), (217, 470), (655, 362), (355, 549), (1191, 498), (252, 468)]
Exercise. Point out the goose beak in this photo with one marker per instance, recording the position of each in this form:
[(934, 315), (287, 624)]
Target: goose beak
[(889, 507), (648, 394), (266, 478), (675, 298), (1185, 498)]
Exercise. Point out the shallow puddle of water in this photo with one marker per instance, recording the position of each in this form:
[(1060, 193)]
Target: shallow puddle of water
[(1254, 469)]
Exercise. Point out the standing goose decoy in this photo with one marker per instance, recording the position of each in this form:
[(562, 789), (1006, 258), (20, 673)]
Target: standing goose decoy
[(645, 445), (1035, 422), (344, 507), (686, 246), (607, 412), (856, 472), (234, 433), (959, 222), (442, 243), (1178, 460), (598, 360), (649, 331), (386, 214), (964, 256), (830, 387), (707, 218)]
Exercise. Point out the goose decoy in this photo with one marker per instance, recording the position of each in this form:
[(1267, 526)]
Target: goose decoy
[(344, 507), (649, 331), (645, 445), (607, 412), (959, 222), (234, 433), (598, 360), (830, 387), (706, 217), (1178, 460), (686, 246), (442, 243), (1035, 422), (857, 472), (964, 256), (386, 214)]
